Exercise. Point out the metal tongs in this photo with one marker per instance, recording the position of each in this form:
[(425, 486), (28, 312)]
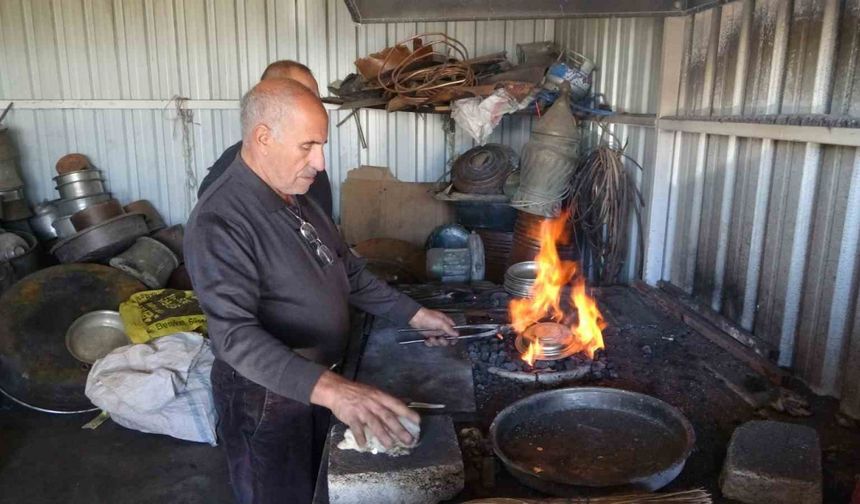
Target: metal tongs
[(484, 330)]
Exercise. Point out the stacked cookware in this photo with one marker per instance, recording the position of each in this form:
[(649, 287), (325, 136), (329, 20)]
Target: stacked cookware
[(520, 278)]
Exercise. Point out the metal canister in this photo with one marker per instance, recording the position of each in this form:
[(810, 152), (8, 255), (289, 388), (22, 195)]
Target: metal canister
[(548, 160), (457, 264)]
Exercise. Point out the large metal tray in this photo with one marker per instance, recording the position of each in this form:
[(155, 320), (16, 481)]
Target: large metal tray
[(565, 440)]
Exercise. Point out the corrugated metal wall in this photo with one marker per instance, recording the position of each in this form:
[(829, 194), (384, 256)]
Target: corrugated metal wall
[(767, 231), (132, 52), (627, 53)]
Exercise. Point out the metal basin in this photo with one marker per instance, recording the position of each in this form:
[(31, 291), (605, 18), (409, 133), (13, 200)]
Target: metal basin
[(102, 241), (96, 214), (70, 206), (95, 334), (565, 441), (78, 184)]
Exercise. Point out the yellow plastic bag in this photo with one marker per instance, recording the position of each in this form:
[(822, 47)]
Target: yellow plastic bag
[(151, 314)]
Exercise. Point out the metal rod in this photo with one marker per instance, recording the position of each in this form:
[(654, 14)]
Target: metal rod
[(361, 138), (469, 336), (467, 326), (5, 111), (345, 119)]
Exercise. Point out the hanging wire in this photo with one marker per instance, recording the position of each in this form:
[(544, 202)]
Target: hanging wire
[(602, 194)]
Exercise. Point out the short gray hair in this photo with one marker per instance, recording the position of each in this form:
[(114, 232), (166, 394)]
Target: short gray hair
[(269, 104)]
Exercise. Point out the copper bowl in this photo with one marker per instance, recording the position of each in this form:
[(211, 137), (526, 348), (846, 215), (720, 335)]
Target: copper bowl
[(96, 214)]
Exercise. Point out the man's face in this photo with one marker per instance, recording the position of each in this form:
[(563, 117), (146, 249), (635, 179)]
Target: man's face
[(295, 155)]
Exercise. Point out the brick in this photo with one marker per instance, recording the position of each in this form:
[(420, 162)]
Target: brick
[(433, 472), (770, 462)]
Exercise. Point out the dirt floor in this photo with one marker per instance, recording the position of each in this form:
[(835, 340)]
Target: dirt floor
[(651, 352), (49, 458)]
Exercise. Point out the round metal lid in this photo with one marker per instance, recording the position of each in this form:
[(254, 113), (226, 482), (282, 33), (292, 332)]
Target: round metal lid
[(35, 313)]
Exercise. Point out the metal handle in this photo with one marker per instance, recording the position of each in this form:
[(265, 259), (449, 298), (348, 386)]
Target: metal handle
[(484, 334)]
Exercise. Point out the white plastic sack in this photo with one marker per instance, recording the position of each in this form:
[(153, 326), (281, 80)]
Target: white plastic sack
[(161, 387), (479, 117)]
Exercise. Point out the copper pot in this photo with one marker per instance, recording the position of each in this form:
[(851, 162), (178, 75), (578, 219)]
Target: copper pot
[(96, 214)]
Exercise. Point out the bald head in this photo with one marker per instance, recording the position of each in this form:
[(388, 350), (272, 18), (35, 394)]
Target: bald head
[(289, 69), (284, 129), (276, 103)]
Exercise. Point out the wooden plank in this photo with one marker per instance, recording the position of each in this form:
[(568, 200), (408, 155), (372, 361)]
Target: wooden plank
[(702, 326), (736, 332)]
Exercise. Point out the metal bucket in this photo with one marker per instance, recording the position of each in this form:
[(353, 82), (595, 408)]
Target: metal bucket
[(9, 176), (78, 184), (96, 214), (148, 260), (153, 219)]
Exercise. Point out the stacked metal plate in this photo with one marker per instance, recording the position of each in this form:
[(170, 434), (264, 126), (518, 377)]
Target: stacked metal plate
[(520, 278)]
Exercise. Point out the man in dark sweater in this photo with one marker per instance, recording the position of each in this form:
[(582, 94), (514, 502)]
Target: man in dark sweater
[(275, 279), (320, 190)]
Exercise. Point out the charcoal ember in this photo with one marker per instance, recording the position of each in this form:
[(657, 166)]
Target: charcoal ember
[(613, 374), (597, 367), (510, 366), (541, 364)]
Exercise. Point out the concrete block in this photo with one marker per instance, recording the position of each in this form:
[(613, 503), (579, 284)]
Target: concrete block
[(770, 462), (433, 472)]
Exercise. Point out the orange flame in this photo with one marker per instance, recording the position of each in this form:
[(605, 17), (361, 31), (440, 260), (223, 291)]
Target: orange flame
[(553, 274), (532, 352)]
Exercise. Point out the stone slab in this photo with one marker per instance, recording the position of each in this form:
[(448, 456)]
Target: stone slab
[(439, 375), (433, 472), (770, 462)]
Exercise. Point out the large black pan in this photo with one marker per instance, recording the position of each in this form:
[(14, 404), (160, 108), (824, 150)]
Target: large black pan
[(563, 440)]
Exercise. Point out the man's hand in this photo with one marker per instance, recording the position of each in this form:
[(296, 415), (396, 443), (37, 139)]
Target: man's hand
[(432, 319), (358, 405)]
